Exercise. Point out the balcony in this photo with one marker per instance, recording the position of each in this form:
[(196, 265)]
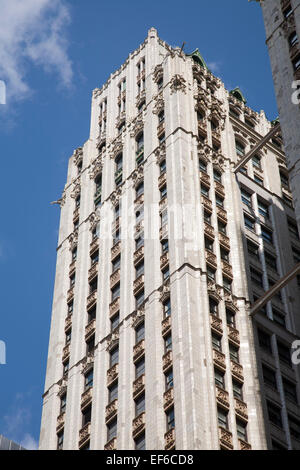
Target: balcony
[(66, 352), (68, 322), (164, 260), (162, 180), (138, 284), (224, 240), (209, 230), (115, 278), (86, 398), (91, 300), (116, 250), (216, 324), (60, 422), (227, 268), (111, 410), (112, 374), (207, 203), (138, 424), (90, 329), (84, 434), (211, 258), (168, 398), (170, 439), (167, 360), (219, 359), (222, 214), (241, 409), (138, 386), (222, 397), (163, 232), (138, 255), (233, 335), (94, 246), (237, 371), (138, 350), (111, 445), (114, 307), (166, 325), (243, 445), (70, 294), (225, 437), (93, 271), (204, 178)]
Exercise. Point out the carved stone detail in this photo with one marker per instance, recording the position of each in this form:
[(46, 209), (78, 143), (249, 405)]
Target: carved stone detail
[(178, 83)]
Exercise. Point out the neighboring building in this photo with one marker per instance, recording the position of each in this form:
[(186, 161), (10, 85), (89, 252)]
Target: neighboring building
[(282, 23), (161, 250), (6, 444)]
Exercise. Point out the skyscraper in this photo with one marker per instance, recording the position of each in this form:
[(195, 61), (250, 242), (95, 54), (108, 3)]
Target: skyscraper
[(162, 249), (282, 24)]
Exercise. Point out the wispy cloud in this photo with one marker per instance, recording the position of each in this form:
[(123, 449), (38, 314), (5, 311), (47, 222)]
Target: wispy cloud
[(33, 31), (29, 443), (214, 66)]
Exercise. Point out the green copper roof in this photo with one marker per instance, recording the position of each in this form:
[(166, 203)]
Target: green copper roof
[(197, 57), (238, 95)]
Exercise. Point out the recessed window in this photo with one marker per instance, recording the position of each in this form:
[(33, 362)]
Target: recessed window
[(284, 353), (209, 244), (164, 246), (113, 392), (86, 415), (219, 201), (267, 235), (240, 148), (237, 390), (271, 261), (162, 167), (219, 378), (140, 442), (63, 403), (241, 429), (211, 273), (263, 208), (222, 418), (227, 283), (290, 391), (115, 292), (296, 62), (140, 332), (204, 190), (169, 379), (230, 318), (294, 425), (217, 176), (112, 430), (258, 180), (234, 353), (139, 189), (216, 342), (249, 222), (202, 165), (246, 197), (170, 419), (114, 357), (139, 368), (264, 340), (252, 249), (139, 299), (293, 39), (293, 229), (213, 306), (222, 227), (114, 321), (88, 379), (256, 161), (167, 307), (140, 405), (139, 269), (116, 263), (269, 376), (274, 413)]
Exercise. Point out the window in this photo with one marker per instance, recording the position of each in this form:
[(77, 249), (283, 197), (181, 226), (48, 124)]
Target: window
[(219, 201), (209, 244), (162, 167), (224, 254), (139, 368), (68, 336), (219, 378), (118, 172), (241, 429), (213, 306), (60, 440), (116, 263), (202, 165), (140, 442), (204, 190), (90, 345), (160, 83), (93, 285), (293, 229), (72, 280), (249, 222), (167, 308), (263, 209), (294, 427), (284, 353), (222, 418), (139, 241), (267, 235), (296, 254), (274, 413), (207, 217), (246, 197), (296, 62), (216, 342), (227, 283), (169, 379), (284, 179), (258, 180), (264, 340), (70, 308), (217, 176), (66, 367), (211, 273), (139, 269), (140, 405), (139, 190), (277, 446), (222, 227), (278, 317), (74, 254), (269, 376), (114, 357), (115, 292), (63, 403), (290, 391), (287, 11), (140, 332), (230, 317), (256, 161), (77, 201), (112, 430), (293, 39), (161, 138), (234, 353), (164, 246), (166, 274), (240, 148), (94, 258), (79, 167), (252, 249), (288, 200), (271, 261), (139, 299), (114, 321), (161, 117), (170, 419), (163, 218), (163, 192), (113, 392), (86, 415), (88, 379), (168, 343), (237, 388)]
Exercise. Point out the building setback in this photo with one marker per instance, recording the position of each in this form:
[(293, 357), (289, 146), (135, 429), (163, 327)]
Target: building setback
[(161, 251)]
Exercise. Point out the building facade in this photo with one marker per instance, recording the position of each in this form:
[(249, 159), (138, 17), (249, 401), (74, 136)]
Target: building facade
[(282, 24), (7, 444), (161, 251)]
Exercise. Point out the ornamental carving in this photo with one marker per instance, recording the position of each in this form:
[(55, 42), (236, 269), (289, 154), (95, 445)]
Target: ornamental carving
[(158, 103), (78, 154), (62, 200), (218, 161), (158, 73), (160, 153), (96, 167), (112, 340), (73, 240), (115, 197), (87, 364), (178, 83), (117, 146), (137, 126), (76, 189), (138, 175), (96, 92)]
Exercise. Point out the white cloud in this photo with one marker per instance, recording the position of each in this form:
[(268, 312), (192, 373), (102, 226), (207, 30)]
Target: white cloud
[(33, 31), (29, 443), (214, 66)]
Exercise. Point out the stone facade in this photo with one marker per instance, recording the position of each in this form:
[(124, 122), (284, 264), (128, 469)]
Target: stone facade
[(165, 121)]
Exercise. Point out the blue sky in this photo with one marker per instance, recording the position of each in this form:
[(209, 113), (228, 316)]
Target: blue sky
[(52, 55)]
